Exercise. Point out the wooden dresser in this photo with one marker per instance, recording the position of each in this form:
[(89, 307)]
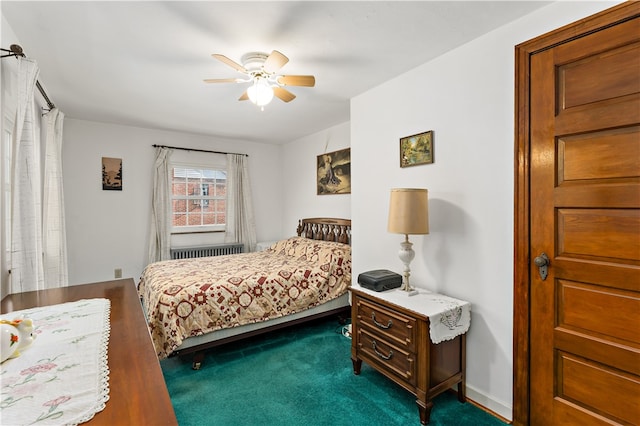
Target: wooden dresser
[(137, 392), (395, 340)]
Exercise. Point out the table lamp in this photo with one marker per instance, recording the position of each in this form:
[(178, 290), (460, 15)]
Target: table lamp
[(408, 214)]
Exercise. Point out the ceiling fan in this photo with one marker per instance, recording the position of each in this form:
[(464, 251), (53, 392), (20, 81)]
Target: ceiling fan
[(261, 70)]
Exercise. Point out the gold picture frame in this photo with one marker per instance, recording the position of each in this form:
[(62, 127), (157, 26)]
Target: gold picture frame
[(334, 172), (416, 149)]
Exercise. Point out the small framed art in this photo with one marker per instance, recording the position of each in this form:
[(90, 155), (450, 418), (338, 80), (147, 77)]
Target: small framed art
[(111, 174), (416, 149), (334, 172)]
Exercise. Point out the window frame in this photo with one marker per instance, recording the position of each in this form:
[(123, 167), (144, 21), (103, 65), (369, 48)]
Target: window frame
[(199, 199)]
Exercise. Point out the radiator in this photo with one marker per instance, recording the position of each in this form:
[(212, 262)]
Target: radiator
[(205, 251)]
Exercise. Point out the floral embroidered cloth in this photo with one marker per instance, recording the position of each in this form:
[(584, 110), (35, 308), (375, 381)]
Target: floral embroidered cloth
[(449, 317), (191, 297), (63, 377)]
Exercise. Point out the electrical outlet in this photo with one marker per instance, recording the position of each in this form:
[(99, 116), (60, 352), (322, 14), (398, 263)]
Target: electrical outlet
[(117, 273)]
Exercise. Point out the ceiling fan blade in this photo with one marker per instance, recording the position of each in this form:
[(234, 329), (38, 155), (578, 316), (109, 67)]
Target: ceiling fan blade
[(231, 63), (244, 96), (224, 80), (274, 62), (283, 94), (297, 80)]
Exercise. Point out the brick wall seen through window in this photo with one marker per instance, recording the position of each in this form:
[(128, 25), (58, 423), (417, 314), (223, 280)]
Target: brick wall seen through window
[(198, 199)]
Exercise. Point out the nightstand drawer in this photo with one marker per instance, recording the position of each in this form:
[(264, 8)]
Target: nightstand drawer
[(393, 326), (390, 358)]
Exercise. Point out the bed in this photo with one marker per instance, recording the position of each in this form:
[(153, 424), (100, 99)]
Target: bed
[(193, 305)]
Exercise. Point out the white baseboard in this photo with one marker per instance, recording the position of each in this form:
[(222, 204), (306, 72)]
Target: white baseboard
[(498, 407)]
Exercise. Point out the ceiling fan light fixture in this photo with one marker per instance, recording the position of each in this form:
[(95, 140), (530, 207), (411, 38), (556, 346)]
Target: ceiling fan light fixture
[(260, 92), (262, 73)]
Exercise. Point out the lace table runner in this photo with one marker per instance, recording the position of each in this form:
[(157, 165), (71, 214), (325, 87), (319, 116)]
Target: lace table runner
[(63, 377), (448, 317)]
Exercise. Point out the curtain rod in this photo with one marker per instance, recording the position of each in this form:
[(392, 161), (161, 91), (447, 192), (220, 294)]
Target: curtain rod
[(198, 150), (16, 50)]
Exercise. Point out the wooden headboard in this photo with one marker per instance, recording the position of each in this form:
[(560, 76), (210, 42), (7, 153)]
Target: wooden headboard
[(326, 229)]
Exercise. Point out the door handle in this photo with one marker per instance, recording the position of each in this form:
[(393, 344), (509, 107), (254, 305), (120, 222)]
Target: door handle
[(542, 262)]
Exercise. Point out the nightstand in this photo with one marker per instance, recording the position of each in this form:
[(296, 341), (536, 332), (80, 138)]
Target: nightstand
[(417, 341)]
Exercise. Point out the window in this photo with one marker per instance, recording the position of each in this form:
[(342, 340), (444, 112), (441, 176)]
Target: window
[(198, 199)]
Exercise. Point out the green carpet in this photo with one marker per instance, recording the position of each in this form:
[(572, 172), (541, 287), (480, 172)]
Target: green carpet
[(300, 376)]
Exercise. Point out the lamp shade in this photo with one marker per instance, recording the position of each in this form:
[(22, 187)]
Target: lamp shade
[(409, 211)]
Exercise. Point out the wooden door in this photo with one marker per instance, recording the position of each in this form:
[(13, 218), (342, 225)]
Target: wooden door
[(579, 180)]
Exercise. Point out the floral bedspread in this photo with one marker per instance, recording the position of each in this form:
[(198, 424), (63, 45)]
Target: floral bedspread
[(190, 297)]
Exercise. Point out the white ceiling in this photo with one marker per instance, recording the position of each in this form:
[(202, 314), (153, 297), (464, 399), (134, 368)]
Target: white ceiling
[(142, 63)]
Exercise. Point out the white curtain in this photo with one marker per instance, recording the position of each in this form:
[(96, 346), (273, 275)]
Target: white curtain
[(53, 218), (26, 202), (160, 234), (241, 225)]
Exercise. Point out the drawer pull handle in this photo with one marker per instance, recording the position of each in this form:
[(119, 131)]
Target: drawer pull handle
[(373, 317), (383, 356)]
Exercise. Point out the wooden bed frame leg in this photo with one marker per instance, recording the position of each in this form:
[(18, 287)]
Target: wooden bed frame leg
[(197, 360)]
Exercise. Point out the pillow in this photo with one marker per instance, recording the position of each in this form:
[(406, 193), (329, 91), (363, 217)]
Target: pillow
[(312, 250)]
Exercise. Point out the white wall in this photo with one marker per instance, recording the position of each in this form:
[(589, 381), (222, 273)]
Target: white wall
[(299, 178), (110, 229), (467, 98)]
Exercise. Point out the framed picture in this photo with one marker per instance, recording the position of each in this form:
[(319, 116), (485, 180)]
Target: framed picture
[(111, 174), (416, 149), (334, 172)]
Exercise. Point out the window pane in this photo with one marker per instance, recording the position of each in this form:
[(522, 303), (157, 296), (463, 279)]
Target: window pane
[(198, 196), (193, 174), (179, 220), (193, 187), (221, 206), (209, 219), (179, 206), (194, 219), (179, 187)]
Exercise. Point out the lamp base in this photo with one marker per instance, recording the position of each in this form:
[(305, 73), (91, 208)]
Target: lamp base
[(406, 255)]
